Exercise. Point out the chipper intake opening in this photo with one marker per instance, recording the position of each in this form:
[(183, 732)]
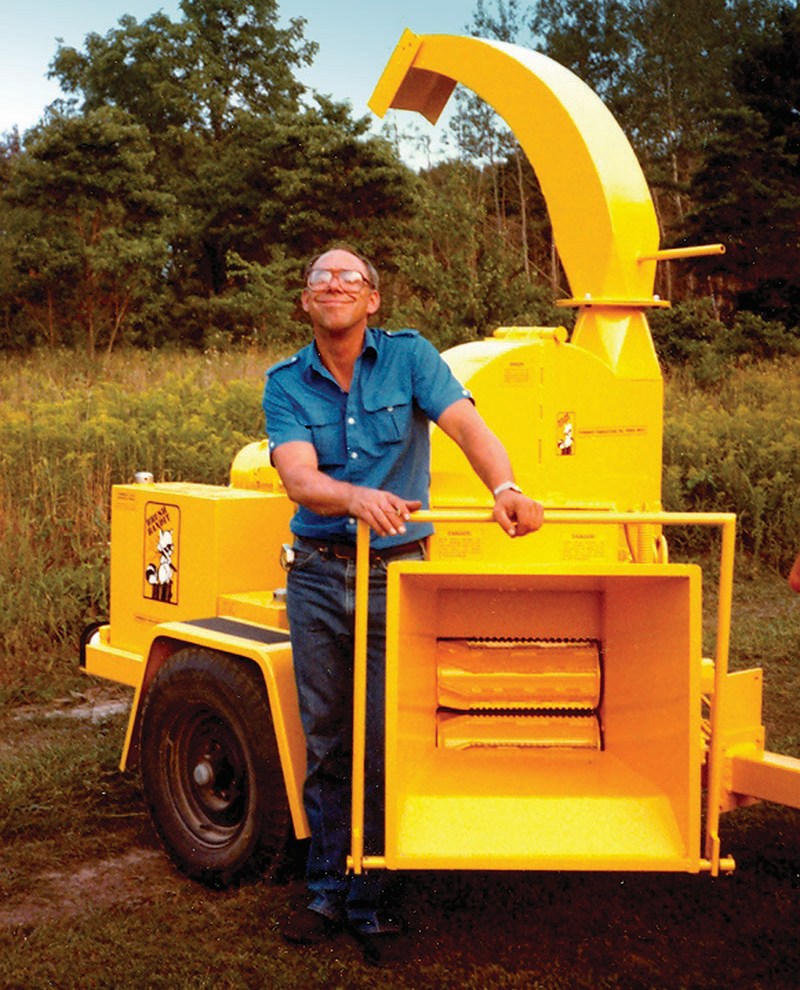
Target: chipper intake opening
[(518, 692), (544, 718)]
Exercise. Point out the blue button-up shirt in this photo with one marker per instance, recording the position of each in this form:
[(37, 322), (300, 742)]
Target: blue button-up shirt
[(376, 435)]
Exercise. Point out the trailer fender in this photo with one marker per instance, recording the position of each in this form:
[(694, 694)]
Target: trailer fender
[(270, 651)]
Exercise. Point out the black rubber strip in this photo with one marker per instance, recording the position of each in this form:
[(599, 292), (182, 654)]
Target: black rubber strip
[(244, 630)]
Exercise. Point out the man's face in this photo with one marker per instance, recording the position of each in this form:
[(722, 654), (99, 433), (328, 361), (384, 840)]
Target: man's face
[(335, 307)]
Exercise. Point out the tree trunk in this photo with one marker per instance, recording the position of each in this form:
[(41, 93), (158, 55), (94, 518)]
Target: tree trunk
[(523, 213)]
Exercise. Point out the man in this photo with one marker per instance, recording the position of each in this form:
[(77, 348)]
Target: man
[(348, 425)]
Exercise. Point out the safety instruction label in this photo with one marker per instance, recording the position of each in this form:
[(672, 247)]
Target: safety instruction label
[(584, 547), (465, 544), (614, 431), (517, 373)]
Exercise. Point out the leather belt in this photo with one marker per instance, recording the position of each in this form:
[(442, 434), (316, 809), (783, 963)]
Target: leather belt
[(347, 551)]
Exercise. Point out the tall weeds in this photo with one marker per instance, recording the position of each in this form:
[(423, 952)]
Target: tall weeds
[(736, 448), (69, 430), (67, 433)]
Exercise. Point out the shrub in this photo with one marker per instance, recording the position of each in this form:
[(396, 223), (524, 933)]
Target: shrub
[(690, 336), (683, 333), (754, 338), (736, 449)]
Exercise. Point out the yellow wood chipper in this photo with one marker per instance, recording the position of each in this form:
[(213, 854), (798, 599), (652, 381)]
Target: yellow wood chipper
[(549, 705)]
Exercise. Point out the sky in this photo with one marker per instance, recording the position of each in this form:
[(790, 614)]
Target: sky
[(355, 38)]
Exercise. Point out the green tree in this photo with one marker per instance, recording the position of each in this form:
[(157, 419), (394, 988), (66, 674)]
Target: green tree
[(277, 190), (193, 74), (10, 150), (456, 280), (660, 65), (748, 189), (86, 225), (193, 83), (259, 177), (664, 68), (256, 308), (504, 177)]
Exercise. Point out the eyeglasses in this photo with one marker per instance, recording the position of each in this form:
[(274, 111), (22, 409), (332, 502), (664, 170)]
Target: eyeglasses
[(349, 279)]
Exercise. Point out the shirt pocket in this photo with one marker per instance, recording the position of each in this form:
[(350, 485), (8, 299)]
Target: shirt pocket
[(389, 415), (327, 433)]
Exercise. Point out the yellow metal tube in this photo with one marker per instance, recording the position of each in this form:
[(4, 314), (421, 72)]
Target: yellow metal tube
[(599, 203), (359, 696), (766, 776), (674, 254), (593, 516), (374, 862), (725, 865), (716, 754)]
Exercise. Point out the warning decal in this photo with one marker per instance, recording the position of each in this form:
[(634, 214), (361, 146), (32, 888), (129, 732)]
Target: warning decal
[(162, 525)]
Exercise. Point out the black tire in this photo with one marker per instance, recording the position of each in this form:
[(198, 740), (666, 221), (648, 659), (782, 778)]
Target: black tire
[(210, 766)]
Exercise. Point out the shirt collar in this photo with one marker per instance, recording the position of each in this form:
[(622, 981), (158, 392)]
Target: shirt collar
[(313, 362), (370, 341)]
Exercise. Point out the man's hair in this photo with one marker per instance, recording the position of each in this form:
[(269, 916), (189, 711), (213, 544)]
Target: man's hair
[(372, 272)]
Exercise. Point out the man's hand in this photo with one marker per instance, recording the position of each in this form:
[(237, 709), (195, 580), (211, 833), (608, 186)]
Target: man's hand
[(385, 512), (305, 484), (517, 514)]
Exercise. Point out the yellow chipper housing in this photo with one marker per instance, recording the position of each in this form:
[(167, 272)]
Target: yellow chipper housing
[(548, 701)]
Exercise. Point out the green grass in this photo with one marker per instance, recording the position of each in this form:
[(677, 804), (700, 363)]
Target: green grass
[(559, 931), (736, 448), (52, 761), (69, 429), (765, 632)]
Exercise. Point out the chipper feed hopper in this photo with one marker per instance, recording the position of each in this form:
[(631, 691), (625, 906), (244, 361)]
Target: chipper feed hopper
[(549, 705)]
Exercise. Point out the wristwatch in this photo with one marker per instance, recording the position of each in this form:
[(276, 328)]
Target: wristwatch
[(507, 486)]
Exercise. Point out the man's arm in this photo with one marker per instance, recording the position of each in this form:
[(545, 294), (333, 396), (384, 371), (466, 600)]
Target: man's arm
[(516, 513), (296, 462)]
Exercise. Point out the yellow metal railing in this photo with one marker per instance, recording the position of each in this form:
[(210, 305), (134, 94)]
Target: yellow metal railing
[(713, 862)]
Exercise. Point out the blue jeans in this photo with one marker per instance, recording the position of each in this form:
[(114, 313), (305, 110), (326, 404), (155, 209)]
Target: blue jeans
[(321, 609)]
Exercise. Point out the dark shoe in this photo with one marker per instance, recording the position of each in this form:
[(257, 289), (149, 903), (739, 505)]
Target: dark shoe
[(384, 948), (307, 927)]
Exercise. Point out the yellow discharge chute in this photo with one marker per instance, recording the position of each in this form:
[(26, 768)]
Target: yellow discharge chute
[(600, 207)]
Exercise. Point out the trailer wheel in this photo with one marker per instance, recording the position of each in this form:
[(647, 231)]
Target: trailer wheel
[(210, 766)]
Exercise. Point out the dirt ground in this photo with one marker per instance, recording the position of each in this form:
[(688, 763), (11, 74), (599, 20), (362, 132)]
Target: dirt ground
[(52, 893), (130, 878)]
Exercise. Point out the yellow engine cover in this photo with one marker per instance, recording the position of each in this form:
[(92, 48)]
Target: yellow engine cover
[(577, 434)]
